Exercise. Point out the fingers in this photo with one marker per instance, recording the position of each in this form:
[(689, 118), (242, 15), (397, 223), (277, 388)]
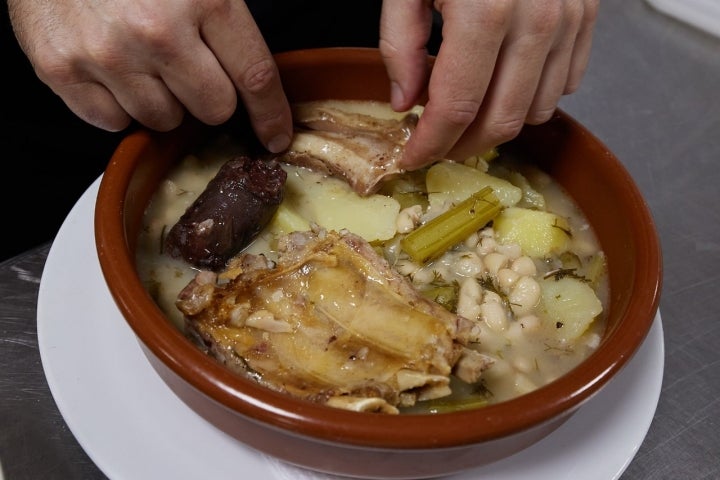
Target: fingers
[(460, 77), (501, 64), (141, 96), (96, 105), (152, 61), (404, 31), (556, 71), (583, 45), (240, 48), (520, 79)]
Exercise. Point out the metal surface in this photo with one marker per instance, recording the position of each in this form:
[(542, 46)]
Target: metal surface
[(651, 95)]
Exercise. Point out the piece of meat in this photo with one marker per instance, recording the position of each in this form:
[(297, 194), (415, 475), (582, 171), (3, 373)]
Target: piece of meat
[(330, 322), (362, 149), (232, 210)]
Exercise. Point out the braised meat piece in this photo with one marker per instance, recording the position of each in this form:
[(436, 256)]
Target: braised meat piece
[(330, 322), (227, 216), (361, 149)]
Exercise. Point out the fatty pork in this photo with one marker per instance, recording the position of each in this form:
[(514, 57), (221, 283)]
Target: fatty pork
[(331, 322), (362, 149)]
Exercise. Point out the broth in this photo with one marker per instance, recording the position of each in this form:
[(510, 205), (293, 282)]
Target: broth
[(483, 278)]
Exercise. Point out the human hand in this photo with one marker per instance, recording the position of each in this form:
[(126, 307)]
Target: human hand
[(150, 60), (501, 64)]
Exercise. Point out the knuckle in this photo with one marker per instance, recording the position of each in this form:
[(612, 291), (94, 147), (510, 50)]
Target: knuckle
[(218, 113), (506, 128), (212, 100), (496, 15), (540, 115), (590, 10), (150, 29), (56, 70), (217, 7), (268, 118), (575, 14), (168, 123), (159, 117), (572, 85), (111, 120), (158, 37), (105, 59), (57, 66), (547, 20), (460, 113), (492, 16), (260, 76)]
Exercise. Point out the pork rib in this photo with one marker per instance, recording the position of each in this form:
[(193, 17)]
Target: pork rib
[(361, 149)]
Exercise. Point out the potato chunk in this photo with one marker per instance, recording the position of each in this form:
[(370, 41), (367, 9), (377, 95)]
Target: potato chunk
[(571, 306), (450, 182), (311, 197), (538, 233)]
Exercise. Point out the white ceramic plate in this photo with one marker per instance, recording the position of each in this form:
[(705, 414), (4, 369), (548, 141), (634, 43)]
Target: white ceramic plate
[(703, 14), (133, 427)]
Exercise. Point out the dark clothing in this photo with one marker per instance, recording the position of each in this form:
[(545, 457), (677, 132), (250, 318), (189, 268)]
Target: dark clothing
[(49, 155)]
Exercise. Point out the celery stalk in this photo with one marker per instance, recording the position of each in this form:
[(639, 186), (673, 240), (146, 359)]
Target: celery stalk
[(490, 155), (432, 239)]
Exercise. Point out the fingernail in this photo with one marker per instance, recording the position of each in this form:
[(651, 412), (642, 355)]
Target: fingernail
[(278, 143)]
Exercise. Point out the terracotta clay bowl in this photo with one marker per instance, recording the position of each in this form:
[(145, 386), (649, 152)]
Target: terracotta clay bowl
[(365, 444)]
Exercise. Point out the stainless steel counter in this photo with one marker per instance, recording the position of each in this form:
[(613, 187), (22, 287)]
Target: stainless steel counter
[(652, 94)]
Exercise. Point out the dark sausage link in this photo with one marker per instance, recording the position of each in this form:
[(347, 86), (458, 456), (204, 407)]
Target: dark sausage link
[(229, 214)]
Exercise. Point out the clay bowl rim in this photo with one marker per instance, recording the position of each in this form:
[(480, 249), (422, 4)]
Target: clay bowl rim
[(324, 423)]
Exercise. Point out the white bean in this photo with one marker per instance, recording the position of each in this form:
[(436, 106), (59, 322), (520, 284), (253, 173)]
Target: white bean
[(529, 323), (494, 262), (512, 251), (524, 364), (423, 276), (406, 267), (583, 247), (472, 240), (469, 265), (500, 370), (490, 296), (408, 218), (469, 298), (515, 331), (487, 232), (486, 245), (524, 265), (507, 278), (524, 296), (593, 340), (523, 384), (494, 316)]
